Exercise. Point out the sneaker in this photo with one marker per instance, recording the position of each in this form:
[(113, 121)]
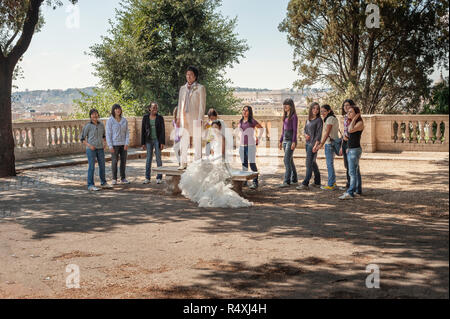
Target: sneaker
[(316, 185), (158, 181), (124, 181), (302, 187), (346, 196), (253, 186), (357, 194), (284, 185), (93, 188), (328, 188), (342, 188), (294, 184), (147, 181), (106, 185), (114, 182), (182, 167)]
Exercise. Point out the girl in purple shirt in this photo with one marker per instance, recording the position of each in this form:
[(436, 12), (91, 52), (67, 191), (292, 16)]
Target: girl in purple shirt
[(288, 142)]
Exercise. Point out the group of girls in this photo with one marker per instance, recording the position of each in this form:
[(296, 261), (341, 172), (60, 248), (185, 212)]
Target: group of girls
[(322, 130)]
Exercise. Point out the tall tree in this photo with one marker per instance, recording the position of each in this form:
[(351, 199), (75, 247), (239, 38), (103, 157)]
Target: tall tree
[(384, 68), (19, 20), (152, 42)]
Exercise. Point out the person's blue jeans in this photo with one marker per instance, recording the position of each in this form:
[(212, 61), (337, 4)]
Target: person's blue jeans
[(153, 145), (353, 155), (311, 166), (290, 175), (344, 154), (329, 155), (99, 155), (248, 154)]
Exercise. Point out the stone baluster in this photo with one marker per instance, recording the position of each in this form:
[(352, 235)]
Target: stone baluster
[(426, 132), (33, 143), (58, 135), (27, 138), (21, 139), (445, 139), (440, 132), (395, 130), (410, 129), (71, 134), (403, 131), (16, 143), (54, 136), (416, 132), (61, 135), (422, 132)]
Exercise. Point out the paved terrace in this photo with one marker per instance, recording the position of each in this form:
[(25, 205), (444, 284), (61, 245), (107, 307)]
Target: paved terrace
[(136, 242)]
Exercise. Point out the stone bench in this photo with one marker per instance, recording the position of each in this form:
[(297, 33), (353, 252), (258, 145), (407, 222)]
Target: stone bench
[(173, 177)]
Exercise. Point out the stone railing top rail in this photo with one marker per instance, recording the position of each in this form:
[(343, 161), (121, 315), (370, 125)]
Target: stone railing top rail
[(233, 117)]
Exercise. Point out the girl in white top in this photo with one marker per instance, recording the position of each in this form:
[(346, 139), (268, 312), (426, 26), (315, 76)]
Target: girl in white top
[(331, 124)]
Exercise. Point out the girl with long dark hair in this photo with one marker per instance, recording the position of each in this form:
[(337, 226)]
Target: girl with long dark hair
[(331, 134), (343, 152), (288, 142), (313, 134), (247, 149), (354, 152), (118, 139)]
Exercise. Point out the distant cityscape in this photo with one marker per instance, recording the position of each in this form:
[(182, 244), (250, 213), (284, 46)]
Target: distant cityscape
[(56, 105)]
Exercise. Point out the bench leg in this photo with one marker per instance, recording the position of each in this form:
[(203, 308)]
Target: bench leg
[(172, 185), (237, 187)]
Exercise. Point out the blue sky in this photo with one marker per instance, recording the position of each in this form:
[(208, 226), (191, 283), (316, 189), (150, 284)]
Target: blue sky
[(56, 58)]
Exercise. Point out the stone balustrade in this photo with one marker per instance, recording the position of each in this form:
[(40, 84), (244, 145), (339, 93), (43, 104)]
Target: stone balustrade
[(382, 133)]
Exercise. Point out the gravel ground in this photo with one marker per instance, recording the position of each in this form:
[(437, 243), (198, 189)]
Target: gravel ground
[(136, 242)]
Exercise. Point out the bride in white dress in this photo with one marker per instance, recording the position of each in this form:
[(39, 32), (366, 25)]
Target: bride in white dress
[(208, 181)]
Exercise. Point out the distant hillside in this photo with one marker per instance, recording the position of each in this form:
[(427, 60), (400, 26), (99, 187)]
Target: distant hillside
[(239, 89), (44, 97)]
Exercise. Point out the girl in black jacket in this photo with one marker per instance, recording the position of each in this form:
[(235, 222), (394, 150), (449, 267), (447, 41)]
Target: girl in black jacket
[(153, 138)]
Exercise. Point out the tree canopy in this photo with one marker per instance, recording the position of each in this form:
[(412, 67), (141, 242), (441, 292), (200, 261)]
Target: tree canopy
[(19, 20), (152, 42), (439, 100), (384, 69)]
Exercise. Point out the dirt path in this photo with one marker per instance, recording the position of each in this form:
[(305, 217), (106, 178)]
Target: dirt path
[(136, 242)]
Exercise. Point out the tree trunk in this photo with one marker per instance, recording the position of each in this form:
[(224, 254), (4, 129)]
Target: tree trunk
[(370, 53), (7, 159), (354, 54)]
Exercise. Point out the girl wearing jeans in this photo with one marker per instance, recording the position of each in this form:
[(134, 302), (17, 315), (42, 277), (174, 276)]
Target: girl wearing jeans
[(343, 151), (313, 134), (153, 140), (93, 137), (354, 152), (288, 142), (247, 150), (331, 133)]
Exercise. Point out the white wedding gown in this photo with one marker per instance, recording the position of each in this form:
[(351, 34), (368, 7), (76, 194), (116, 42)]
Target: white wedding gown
[(208, 182)]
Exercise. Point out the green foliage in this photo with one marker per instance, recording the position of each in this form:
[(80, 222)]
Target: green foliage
[(387, 69), (222, 98), (103, 99), (438, 103), (152, 42)]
